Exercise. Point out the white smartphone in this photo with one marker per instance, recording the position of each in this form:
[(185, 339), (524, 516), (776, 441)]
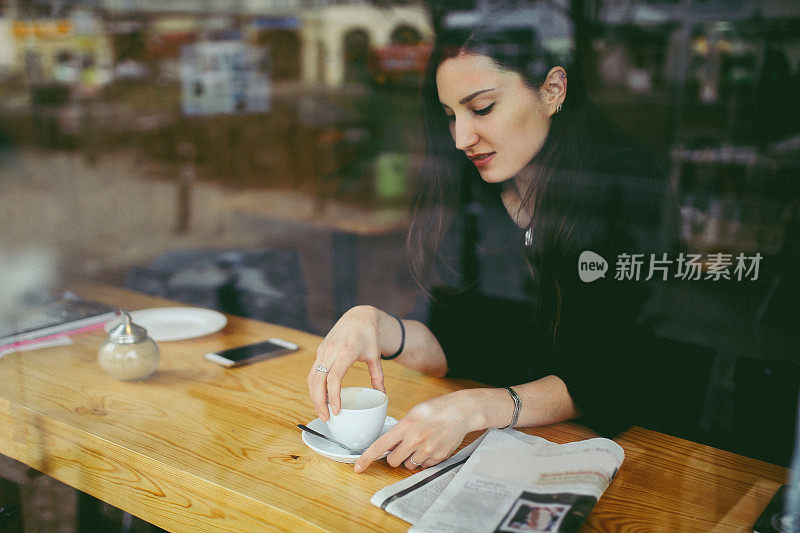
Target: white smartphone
[(250, 353)]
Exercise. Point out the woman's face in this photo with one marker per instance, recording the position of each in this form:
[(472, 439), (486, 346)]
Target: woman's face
[(495, 119)]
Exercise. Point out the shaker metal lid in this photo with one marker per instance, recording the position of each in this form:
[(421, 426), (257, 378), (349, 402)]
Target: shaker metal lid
[(127, 332)]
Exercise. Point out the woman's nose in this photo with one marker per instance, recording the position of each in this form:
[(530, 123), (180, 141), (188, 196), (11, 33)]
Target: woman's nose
[(464, 134)]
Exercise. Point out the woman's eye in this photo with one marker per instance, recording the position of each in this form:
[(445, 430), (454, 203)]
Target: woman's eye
[(485, 110)]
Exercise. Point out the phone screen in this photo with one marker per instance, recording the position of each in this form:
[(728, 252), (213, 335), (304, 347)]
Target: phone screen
[(252, 352)]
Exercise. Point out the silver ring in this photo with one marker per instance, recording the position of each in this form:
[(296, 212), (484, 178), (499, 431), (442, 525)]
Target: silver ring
[(413, 461), (321, 368)]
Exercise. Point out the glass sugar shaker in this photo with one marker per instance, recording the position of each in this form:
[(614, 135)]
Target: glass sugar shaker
[(128, 354)]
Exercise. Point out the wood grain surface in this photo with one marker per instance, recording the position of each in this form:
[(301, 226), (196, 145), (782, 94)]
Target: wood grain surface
[(671, 484), (198, 447)]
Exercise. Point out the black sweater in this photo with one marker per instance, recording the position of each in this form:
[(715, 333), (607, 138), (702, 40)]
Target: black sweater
[(491, 327)]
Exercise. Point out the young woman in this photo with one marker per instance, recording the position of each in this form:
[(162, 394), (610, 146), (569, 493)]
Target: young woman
[(521, 177)]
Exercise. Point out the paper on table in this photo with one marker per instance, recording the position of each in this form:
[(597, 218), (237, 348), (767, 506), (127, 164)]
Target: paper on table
[(508, 482), (410, 498), (61, 340)]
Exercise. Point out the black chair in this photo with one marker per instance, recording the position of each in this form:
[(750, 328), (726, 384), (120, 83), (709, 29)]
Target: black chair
[(673, 401), (265, 284), (765, 403), (10, 507), (94, 516)]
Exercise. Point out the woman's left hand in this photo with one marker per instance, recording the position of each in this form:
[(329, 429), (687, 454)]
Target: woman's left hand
[(428, 434)]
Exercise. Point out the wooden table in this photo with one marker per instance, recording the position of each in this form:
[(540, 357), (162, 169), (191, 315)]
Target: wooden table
[(199, 447)]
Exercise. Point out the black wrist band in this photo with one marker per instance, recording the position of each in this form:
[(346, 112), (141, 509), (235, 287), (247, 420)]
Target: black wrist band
[(402, 340)]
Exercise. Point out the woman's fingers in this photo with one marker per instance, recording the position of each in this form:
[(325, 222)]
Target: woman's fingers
[(327, 373), (376, 373), (318, 378), (411, 463), (385, 442), (318, 390), (401, 453), (334, 383), (405, 450), (353, 338), (426, 436), (403, 442)]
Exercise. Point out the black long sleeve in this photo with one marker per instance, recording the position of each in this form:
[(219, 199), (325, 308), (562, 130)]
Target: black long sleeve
[(509, 331)]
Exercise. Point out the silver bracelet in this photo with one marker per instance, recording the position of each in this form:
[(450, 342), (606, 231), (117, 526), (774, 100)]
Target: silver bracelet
[(517, 407)]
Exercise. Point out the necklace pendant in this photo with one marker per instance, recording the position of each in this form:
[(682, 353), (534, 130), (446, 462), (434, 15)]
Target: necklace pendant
[(528, 237)]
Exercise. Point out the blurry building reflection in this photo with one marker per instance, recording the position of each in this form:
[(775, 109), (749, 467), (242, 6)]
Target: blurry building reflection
[(101, 165)]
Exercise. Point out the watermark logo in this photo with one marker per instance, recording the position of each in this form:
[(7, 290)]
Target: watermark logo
[(591, 266), (686, 266)]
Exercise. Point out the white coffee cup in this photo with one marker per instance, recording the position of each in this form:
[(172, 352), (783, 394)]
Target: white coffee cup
[(361, 417)]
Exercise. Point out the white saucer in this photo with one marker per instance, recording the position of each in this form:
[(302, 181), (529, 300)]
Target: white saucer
[(333, 451), (175, 323)]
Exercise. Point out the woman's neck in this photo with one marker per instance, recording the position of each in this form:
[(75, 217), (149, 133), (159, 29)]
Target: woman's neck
[(514, 193)]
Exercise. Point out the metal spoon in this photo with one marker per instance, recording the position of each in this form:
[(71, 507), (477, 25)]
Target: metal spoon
[(331, 439)]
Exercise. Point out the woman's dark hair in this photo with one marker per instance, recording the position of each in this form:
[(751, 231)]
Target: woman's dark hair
[(449, 180)]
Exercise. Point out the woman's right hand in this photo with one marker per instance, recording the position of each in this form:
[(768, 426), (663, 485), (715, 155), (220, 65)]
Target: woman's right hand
[(353, 338)]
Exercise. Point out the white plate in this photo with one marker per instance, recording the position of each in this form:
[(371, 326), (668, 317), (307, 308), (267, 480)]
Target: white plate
[(334, 451), (175, 323)]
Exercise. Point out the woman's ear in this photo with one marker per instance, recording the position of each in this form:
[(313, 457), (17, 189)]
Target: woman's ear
[(555, 89)]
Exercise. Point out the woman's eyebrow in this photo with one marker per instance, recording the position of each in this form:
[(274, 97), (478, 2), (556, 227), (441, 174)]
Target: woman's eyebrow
[(473, 95), (470, 96)]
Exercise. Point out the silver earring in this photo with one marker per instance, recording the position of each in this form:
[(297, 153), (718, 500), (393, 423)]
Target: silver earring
[(528, 236), (558, 108)]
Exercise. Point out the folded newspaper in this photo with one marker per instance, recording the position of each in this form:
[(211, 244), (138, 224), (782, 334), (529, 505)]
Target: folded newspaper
[(506, 481)]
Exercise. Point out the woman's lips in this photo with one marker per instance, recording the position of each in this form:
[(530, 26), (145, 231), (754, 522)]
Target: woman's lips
[(481, 160)]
